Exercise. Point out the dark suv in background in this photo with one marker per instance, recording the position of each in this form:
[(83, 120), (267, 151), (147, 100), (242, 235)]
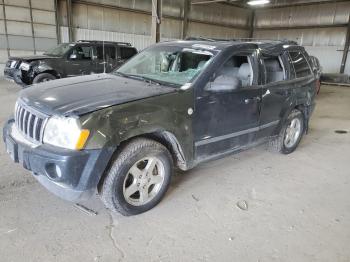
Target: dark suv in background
[(68, 59), (175, 104)]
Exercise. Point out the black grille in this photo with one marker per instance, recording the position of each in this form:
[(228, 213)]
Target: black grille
[(29, 122)]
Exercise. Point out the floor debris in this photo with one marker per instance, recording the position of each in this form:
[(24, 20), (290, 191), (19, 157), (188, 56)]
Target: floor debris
[(195, 198), (242, 205), (9, 231), (86, 210)]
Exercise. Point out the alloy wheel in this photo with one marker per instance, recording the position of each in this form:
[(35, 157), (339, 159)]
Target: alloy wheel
[(143, 181)]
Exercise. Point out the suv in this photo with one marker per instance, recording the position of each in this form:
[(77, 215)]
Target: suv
[(68, 59), (175, 104)]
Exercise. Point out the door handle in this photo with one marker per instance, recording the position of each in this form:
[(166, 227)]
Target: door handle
[(253, 99)]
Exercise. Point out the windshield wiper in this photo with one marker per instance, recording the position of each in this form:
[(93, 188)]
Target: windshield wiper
[(147, 79), (138, 77), (48, 54)]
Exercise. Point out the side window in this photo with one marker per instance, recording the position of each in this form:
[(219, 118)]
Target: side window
[(300, 64), (82, 52), (127, 52), (110, 52), (236, 70), (274, 69)]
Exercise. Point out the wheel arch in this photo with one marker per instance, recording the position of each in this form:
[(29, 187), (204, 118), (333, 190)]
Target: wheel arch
[(165, 138), (287, 110), (48, 71), (169, 140), (304, 109)]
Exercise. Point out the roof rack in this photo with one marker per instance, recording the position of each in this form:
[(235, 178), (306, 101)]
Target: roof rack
[(201, 39), (283, 41), (101, 41)]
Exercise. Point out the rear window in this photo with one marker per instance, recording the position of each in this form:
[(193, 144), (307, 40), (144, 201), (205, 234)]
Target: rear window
[(274, 70), (127, 52), (300, 64)]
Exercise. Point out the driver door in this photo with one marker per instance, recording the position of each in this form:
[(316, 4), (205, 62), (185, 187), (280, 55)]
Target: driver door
[(79, 61), (228, 119)]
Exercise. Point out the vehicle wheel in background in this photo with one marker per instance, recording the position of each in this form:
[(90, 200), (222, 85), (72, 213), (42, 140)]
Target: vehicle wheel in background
[(44, 77)]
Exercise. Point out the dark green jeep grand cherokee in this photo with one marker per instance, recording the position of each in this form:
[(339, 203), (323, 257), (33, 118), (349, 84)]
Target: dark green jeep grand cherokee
[(175, 104)]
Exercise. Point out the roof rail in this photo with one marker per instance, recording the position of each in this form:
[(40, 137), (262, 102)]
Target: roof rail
[(101, 41), (282, 41), (201, 39)]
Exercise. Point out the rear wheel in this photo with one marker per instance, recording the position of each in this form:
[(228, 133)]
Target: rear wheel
[(138, 178), (291, 133), (44, 77)]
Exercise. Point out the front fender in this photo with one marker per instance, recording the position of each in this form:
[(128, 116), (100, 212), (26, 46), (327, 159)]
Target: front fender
[(39, 67), (163, 113)]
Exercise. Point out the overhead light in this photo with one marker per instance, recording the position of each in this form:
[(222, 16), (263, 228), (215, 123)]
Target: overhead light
[(258, 2)]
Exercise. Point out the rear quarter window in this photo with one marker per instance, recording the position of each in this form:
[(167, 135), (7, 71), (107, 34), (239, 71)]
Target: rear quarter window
[(127, 52), (301, 66), (108, 51)]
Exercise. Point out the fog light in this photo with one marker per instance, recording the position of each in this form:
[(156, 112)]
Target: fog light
[(53, 171), (58, 171)]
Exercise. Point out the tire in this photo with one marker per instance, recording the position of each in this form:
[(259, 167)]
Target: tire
[(43, 77), (280, 144), (124, 177)]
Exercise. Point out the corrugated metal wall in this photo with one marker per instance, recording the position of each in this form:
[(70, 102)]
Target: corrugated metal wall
[(130, 21), (30, 26), (321, 28)]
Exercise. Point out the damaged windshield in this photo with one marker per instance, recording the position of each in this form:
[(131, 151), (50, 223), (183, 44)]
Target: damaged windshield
[(59, 50), (167, 64)]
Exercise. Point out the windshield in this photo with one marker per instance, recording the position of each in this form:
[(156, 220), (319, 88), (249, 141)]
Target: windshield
[(59, 50), (167, 64)]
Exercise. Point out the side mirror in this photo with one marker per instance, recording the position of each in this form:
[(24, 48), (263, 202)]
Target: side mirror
[(73, 56), (224, 84)]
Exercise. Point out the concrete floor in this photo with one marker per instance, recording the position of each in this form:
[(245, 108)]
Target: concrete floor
[(298, 206)]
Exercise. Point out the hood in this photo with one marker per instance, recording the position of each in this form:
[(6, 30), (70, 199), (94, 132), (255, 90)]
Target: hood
[(32, 58), (84, 94)]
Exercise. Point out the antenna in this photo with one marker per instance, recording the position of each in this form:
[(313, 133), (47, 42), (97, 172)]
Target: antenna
[(103, 44), (104, 57)]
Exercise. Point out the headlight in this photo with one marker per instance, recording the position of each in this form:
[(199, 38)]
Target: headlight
[(13, 64), (65, 132), (24, 66)]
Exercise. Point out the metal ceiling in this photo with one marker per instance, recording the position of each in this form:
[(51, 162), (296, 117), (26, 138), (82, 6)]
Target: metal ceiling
[(272, 4)]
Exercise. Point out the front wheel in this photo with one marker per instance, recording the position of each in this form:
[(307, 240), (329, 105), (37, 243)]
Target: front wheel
[(138, 178), (43, 77)]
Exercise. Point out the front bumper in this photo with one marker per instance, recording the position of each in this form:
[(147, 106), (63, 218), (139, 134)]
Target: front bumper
[(70, 174), (14, 74)]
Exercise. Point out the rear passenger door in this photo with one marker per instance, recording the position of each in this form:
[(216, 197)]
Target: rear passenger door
[(105, 58), (277, 91)]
